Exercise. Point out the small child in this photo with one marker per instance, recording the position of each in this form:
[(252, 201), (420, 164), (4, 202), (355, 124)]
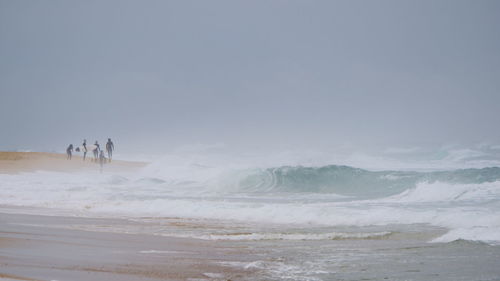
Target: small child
[(102, 159)]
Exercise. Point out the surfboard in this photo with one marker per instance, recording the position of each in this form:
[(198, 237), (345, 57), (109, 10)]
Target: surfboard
[(90, 148)]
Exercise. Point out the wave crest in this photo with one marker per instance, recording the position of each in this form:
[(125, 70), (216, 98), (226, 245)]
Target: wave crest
[(345, 180)]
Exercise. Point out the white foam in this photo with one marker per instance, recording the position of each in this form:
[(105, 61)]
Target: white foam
[(213, 275), (435, 192), (278, 270), (470, 211), (295, 236), (489, 235), (159, 252)]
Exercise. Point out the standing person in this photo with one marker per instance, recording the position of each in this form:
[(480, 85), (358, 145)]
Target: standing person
[(68, 151), (84, 144), (109, 148), (102, 159), (96, 150)]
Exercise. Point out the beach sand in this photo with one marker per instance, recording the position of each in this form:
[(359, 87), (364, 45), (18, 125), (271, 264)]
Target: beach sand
[(40, 247), (34, 247), (17, 162)]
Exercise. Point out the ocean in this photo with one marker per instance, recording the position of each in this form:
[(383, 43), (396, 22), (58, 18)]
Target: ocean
[(303, 221)]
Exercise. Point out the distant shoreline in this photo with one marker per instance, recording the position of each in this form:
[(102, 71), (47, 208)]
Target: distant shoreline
[(17, 162)]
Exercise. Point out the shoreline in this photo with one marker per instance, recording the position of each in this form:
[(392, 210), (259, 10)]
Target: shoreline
[(36, 247), (18, 162)]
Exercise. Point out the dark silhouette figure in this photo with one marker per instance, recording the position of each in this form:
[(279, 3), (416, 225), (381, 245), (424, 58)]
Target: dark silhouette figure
[(96, 150), (102, 159), (109, 148), (69, 151), (84, 144)]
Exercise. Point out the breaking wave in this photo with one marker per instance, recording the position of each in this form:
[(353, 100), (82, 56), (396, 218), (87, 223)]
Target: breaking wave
[(465, 201), (349, 181)]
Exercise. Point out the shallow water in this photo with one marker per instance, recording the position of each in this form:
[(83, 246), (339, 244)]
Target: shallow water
[(289, 252)]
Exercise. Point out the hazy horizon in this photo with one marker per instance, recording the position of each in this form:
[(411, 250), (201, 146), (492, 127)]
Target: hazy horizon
[(256, 75)]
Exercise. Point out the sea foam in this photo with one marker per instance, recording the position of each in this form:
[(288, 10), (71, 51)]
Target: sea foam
[(466, 201)]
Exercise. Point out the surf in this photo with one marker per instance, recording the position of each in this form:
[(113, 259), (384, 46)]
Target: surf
[(347, 181), (465, 201)]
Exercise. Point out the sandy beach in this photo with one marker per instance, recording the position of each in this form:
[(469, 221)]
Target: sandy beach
[(38, 247), (17, 162)]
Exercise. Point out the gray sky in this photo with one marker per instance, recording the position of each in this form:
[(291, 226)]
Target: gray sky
[(261, 73)]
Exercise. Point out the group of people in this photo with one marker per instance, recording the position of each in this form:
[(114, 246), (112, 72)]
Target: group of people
[(96, 150)]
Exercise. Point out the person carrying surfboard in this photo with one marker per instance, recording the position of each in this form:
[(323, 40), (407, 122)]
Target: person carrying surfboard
[(102, 159), (109, 148)]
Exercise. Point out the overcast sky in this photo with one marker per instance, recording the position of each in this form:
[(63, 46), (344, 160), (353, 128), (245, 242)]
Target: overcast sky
[(262, 73)]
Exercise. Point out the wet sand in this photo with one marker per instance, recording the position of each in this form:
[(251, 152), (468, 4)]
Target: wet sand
[(35, 247), (18, 162)]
